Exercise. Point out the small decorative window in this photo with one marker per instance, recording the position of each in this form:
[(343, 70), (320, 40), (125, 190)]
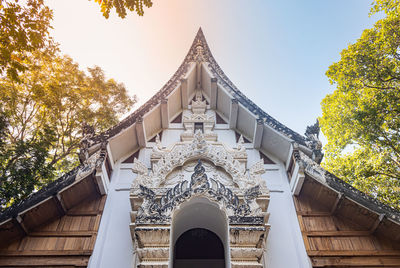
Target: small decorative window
[(198, 126)]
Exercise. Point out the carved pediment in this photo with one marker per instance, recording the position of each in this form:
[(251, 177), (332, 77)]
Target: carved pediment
[(154, 208), (184, 172), (198, 169), (159, 209), (232, 160), (178, 175)]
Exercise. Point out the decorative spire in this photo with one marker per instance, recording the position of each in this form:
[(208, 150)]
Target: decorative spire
[(199, 51)]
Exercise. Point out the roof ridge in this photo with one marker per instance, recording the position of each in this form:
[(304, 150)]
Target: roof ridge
[(200, 51), (317, 172), (36, 197)]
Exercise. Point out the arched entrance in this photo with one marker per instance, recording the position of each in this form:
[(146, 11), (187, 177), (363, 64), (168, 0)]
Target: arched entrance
[(199, 235), (198, 248), (161, 216)]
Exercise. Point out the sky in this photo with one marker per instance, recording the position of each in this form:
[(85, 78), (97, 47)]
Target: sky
[(275, 52)]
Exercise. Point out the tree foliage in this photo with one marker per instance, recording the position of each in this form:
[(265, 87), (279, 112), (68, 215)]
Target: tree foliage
[(42, 120), (387, 6), (361, 118), (45, 99), (23, 28), (121, 6)]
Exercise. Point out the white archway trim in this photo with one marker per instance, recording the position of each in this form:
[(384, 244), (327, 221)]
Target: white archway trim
[(232, 160), (200, 212)]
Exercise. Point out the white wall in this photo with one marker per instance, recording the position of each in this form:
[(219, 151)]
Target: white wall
[(114, 246), (285, 246)]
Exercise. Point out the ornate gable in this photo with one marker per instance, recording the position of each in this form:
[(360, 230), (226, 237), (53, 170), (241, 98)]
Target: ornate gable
[(198, 167)]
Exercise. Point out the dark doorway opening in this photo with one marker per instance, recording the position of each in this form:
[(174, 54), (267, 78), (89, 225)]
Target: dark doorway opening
[(199, 248)]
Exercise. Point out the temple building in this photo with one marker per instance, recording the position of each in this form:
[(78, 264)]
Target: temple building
[(200, 176)]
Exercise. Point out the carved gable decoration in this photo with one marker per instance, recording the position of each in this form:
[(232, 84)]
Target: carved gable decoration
[(159, 210), (232, 160), (198, 167), (174, 179), (199, 115), (184, 172)]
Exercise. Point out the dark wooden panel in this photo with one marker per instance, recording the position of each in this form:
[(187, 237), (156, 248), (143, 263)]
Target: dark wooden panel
[(344, 235), (43, 261), (364, 261), (84, 190), (9, 231), (40, 214), (62, 242), (323, 197)]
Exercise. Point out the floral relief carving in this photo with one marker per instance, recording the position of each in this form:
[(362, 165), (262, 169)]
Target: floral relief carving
[(165, 160), (152, 218), (159, 210)]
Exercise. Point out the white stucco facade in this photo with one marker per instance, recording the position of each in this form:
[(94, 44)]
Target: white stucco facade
[(285, 247)]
